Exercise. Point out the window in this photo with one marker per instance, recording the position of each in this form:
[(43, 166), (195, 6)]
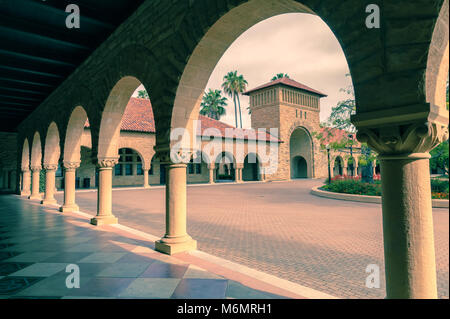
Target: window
[(118, 170), (139, 170), (191, 168), (128, 169), (129, 159), (128, 151), (150, 172), (198, 168), (305, 115)]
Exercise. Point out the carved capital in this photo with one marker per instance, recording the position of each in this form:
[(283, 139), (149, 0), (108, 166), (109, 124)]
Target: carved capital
[(50, 167), (169, 155), (404, 139), (71, 165), (36, 168), (25, 169), (108, 162)]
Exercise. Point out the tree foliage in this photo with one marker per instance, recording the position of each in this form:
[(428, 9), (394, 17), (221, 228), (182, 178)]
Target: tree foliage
[(143, 94), (233, 85), (280, 76), (213, 104)]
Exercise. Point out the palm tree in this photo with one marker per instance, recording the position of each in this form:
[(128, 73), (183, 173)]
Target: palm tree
[(213, 104), (142, 94), (233, 85), (280, 76)]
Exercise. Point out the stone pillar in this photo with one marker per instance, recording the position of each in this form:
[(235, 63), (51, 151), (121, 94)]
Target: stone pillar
[(146, 184), (35, 171), (176, 238), (26, 181), (409, 253), (238, 172), (211, 169), (104, 193), (69, 205), (50, 170)]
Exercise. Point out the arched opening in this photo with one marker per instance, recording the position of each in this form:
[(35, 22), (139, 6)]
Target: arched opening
[(301, 153), (250, 171), (338, 168), (112, 116), (129, 171), (52, 145), (36, 151), (74, 133), (225, 167), (299, 167), (197, 168)]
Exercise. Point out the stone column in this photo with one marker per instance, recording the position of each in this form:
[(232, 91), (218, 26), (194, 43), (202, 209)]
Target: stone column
[(176, 238), (238, 172), (104, 194), (69, 205), (410, 263), (35, 171), (211, 169), (26, 181), (146, 184), (50, 170)]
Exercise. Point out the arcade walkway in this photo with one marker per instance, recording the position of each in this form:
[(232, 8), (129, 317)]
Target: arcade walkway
[(280, 229), (37, 244)]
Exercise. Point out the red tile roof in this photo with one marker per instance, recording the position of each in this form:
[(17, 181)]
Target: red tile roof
[(138, 117), (287, 82)]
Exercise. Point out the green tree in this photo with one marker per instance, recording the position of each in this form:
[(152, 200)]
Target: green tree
[(340, 119), (142, 94), (233, 85), (439, 157), (280, 76), (213, 104)]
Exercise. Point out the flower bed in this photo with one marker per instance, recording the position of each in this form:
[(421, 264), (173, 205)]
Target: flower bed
[(354, 185)]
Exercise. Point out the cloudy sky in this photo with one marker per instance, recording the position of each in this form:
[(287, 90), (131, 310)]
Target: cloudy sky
[(298, 44)]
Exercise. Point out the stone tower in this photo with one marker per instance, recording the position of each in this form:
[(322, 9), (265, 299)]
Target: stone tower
[(293, 108)]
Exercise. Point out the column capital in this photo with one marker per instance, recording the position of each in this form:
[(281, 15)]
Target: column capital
[(36, 167), (420, 137), (168, 155), (25, 168), (50, 167), (71, 165), (239, 165), (211, 166), (108, 162)]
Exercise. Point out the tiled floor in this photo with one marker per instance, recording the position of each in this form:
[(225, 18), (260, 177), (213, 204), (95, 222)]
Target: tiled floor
[(280, 229), (38, 244)]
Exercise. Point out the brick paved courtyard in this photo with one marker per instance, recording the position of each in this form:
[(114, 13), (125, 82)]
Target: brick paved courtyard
[(281, 229)]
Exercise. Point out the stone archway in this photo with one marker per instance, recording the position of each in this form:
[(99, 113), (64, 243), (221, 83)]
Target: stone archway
[(301, 153), (299, 167), (251, 170), (338, 167)]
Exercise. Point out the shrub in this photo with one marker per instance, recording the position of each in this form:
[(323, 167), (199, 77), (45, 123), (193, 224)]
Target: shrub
[(354, 186), (348, 185), (439, 185)]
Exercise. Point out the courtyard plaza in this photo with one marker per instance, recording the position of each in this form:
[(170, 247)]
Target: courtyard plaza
[(39, 248), (279, 228)]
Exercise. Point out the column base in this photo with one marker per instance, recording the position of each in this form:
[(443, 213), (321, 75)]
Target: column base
[(35, 197), (104, 220), (27, 194), (48, 201), (174, 248), (69, 208), (147, 186)]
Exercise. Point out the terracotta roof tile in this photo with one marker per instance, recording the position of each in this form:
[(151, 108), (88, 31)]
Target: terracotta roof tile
[(138, 117), (287, 82)]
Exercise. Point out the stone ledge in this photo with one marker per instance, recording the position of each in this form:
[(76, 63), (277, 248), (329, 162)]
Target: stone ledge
[(436, 203)]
